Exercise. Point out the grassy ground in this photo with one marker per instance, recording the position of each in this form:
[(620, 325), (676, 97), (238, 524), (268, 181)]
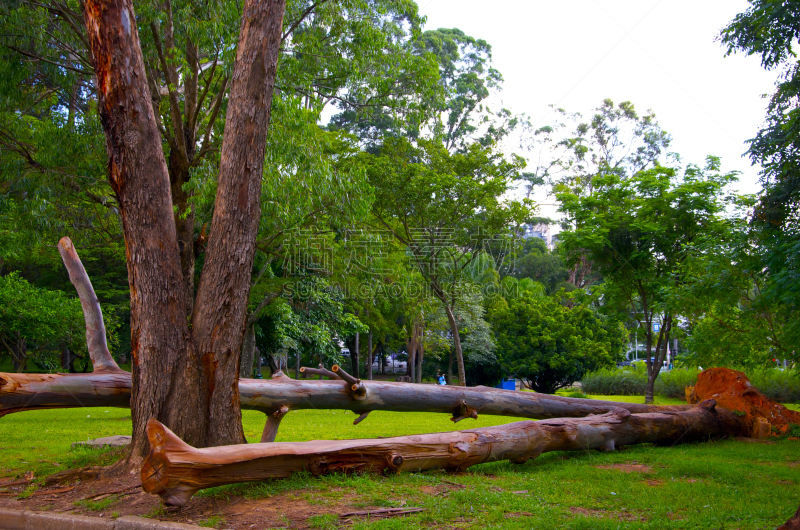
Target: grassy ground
[(726, 484)]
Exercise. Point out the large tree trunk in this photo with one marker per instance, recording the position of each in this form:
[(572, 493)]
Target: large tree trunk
[(188, 381), (21, 392), (459, 356), (175, 471), (166, 380), (220, 311)]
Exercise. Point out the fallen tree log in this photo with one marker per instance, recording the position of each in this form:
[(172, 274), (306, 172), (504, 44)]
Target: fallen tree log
[(110, 386), (19, 392), (175, 471)]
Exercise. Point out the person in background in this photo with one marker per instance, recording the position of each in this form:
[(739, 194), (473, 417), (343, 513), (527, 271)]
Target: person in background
[(441, 380)]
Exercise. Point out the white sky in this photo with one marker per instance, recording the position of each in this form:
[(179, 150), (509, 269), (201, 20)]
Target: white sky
[(658, 54)]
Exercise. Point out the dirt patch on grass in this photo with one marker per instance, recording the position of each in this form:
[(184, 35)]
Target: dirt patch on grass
[(622, 515), (627, 467), (515, 515), (784, 482), (109, 497), (793, 464), (654, 483)]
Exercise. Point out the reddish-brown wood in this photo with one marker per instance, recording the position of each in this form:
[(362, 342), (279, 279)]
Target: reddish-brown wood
[(187, 379), (166, 380), (793, 523), (220, 311), (175, 471)]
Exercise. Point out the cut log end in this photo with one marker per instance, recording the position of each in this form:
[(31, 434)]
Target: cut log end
[(156, 471), (352, 381)]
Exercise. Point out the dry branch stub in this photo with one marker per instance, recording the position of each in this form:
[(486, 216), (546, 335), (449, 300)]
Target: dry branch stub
[(175, 471)]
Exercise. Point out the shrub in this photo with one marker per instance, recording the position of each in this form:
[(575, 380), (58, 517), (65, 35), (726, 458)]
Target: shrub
[(615, 381), (777, 385), (782, 386)]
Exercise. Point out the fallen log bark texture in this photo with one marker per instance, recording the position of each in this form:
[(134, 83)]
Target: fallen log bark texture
[(175, 470)]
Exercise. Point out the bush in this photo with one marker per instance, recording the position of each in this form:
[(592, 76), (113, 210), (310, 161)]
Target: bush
[(615, 381), (781, 386), (777, 385), (673, 383)]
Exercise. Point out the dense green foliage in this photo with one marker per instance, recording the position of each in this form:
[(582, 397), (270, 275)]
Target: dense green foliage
[(35, 322), (399, 208), (637, 231), (768, 29), (551, 342)]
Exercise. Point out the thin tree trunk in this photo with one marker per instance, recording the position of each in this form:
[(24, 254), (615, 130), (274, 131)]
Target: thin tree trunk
[(369, 355), (420, 355), (248, 352), (462, 376), (449, 374), (297, 364), (354, 355), (411, 349), (96, 342), (175, 470)]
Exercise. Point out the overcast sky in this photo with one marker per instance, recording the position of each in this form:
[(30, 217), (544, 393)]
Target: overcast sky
[(660, 55)]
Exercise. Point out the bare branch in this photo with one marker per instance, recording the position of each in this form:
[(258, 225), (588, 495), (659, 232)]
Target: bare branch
[(95, 328)]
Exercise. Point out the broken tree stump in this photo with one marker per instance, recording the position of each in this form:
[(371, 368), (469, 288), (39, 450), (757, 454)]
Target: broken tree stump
[(733, 391), (175, 471)]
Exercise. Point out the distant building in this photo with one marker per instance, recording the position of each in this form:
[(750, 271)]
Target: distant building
[(541, 231)]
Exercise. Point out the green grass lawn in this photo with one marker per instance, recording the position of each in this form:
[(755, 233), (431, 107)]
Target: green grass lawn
[(722, 484)]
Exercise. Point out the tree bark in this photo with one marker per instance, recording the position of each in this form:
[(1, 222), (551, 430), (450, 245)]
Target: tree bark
[(175, 470), (354, 353), (220, 310), (164, 366), (178, 169), (793, 523), (420, 356), (96, 342)]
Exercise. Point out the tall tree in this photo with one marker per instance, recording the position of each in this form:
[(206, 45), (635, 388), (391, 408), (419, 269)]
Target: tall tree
[(199, 395), (636, 231), (444, 207), (769, 29), (616, 140)]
